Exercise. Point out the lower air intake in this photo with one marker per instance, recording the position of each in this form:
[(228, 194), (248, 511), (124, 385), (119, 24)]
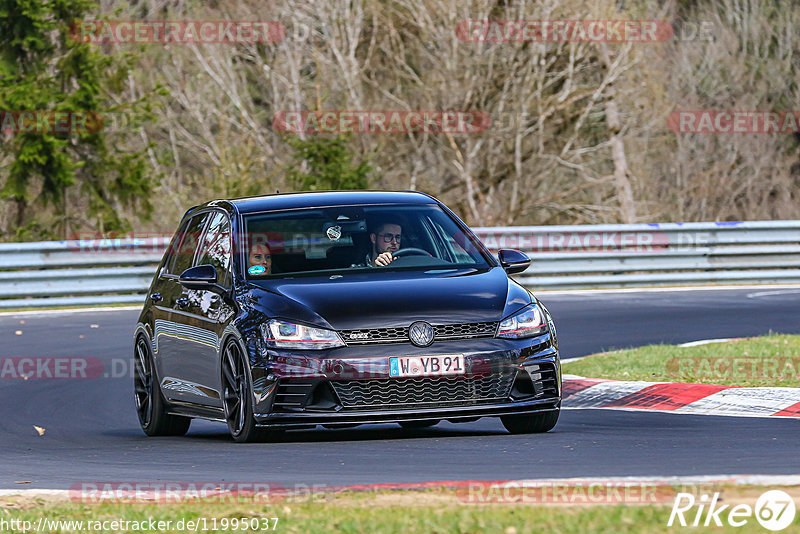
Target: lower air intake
[(409, 393)]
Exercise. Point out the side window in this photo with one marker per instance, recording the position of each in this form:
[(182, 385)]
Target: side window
[(174, 245), (183, 254), (216, 247)]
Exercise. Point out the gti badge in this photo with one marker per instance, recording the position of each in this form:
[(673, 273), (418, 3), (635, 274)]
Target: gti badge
[(420, 333), (359, 335)]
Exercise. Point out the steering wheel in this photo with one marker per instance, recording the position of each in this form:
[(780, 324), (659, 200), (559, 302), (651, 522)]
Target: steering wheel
[(411, 251)]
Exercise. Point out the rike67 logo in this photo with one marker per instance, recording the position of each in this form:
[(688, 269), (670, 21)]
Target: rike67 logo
[(774, 510)]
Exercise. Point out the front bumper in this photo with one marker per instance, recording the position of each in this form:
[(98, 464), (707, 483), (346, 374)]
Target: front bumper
[(300, 388), (454, 414)]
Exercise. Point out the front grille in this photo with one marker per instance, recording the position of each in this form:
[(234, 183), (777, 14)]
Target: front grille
[(466, 330), (400, 334), (375, 335), (424, 392)]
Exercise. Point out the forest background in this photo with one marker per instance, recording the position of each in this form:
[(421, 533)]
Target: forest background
[(578, 131)]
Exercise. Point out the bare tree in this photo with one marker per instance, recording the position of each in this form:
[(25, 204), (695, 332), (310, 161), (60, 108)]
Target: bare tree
[(578, 131)]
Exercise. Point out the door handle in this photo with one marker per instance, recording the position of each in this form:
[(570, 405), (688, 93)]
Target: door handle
[(182, 302), (156, 297)]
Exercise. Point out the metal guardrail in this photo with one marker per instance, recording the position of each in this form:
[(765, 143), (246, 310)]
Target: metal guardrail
[(640, 255), (108, 271), (86, 272)]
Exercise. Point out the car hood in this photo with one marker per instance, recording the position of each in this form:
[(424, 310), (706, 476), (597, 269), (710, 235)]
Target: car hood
[(392, 298)]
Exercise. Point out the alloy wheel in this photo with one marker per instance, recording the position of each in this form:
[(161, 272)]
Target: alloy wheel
[(234, 388), (143, 383)]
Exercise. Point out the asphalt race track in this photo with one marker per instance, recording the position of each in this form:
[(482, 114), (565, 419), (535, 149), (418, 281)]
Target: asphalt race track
[(91, 432)]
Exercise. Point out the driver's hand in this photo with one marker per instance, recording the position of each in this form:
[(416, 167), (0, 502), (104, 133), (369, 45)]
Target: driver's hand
[(384, 258)]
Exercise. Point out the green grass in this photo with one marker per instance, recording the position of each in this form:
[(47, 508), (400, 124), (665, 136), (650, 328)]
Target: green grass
[(400, 511), (772, 360)]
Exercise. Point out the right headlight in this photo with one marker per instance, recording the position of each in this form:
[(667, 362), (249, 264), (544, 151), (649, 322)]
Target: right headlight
[(528, 322), (286, 335)]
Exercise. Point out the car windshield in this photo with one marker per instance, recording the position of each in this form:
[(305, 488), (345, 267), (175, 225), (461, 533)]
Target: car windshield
[(356, 238)]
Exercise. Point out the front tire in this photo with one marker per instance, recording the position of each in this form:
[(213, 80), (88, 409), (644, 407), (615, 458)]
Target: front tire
[(237, 397), (535, 423), (150, 405)]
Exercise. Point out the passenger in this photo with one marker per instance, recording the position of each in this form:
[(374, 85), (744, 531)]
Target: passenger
[(259, 256)]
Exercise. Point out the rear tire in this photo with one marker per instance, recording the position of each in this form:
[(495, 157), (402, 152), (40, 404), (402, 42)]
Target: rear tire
[(530, 423), (409, 425), (150, 404)]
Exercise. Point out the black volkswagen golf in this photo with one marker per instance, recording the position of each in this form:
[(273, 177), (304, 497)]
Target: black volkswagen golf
[(338, 309)]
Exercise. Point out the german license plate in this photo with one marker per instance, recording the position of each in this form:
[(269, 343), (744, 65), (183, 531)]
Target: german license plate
[(441, 365)]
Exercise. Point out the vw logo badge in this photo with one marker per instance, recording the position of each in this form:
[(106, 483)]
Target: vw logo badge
[(420, 334)]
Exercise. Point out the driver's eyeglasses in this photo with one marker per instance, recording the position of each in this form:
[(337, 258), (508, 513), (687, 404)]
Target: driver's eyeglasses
[(387, 238)]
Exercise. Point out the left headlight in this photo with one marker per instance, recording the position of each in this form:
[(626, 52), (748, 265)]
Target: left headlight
[(526, 323), (285, 335)]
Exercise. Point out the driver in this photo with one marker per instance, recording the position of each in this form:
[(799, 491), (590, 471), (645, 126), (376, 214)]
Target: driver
[(385, 240)]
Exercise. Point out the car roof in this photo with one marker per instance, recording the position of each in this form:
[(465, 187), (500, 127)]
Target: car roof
[(284, 201)]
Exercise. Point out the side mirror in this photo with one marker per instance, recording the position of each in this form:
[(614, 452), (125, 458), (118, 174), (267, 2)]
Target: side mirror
[(201, 277), (513, 261)]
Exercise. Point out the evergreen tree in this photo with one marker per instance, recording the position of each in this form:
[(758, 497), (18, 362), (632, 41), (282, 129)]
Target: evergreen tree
[(45, 67), (321, 164)]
